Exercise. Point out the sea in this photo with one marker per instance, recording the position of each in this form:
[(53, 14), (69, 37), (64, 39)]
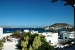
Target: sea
[(40, 30)]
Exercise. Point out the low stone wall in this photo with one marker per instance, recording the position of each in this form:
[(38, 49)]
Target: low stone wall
[(6, 34)]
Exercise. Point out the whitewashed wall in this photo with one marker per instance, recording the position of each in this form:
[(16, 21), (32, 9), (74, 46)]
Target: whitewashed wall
[(26, 30), (6, 34), (1, 32), (68, 35), (34, 32), (65, 35), (53, 37)]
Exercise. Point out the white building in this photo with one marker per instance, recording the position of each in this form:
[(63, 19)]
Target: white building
[(32, 31), (47, 28), (67, 35), (1, 32), (7, 34), (51, 37), (3, 35), (26, 31)]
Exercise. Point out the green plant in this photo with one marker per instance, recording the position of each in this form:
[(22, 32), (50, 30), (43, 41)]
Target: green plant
[(54, 31), (4, 39), (1, 44), (35, 42)]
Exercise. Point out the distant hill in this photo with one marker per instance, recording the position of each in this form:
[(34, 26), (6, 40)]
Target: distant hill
[(59, 25)]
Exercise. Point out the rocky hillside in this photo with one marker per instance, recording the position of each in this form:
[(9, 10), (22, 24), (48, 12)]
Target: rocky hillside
[(59, 25)]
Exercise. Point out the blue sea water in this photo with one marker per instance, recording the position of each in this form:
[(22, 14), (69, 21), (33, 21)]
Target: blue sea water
[(40, 30)]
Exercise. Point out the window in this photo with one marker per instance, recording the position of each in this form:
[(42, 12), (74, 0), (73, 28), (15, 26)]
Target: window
[(65, 37), (50, 41)]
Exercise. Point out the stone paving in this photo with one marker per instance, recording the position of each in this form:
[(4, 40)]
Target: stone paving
[(9, 46)]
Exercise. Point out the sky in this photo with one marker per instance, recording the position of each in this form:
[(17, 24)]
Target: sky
[(34, 13)]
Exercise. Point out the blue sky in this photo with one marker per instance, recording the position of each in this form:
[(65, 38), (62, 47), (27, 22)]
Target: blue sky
[(38, 13)]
